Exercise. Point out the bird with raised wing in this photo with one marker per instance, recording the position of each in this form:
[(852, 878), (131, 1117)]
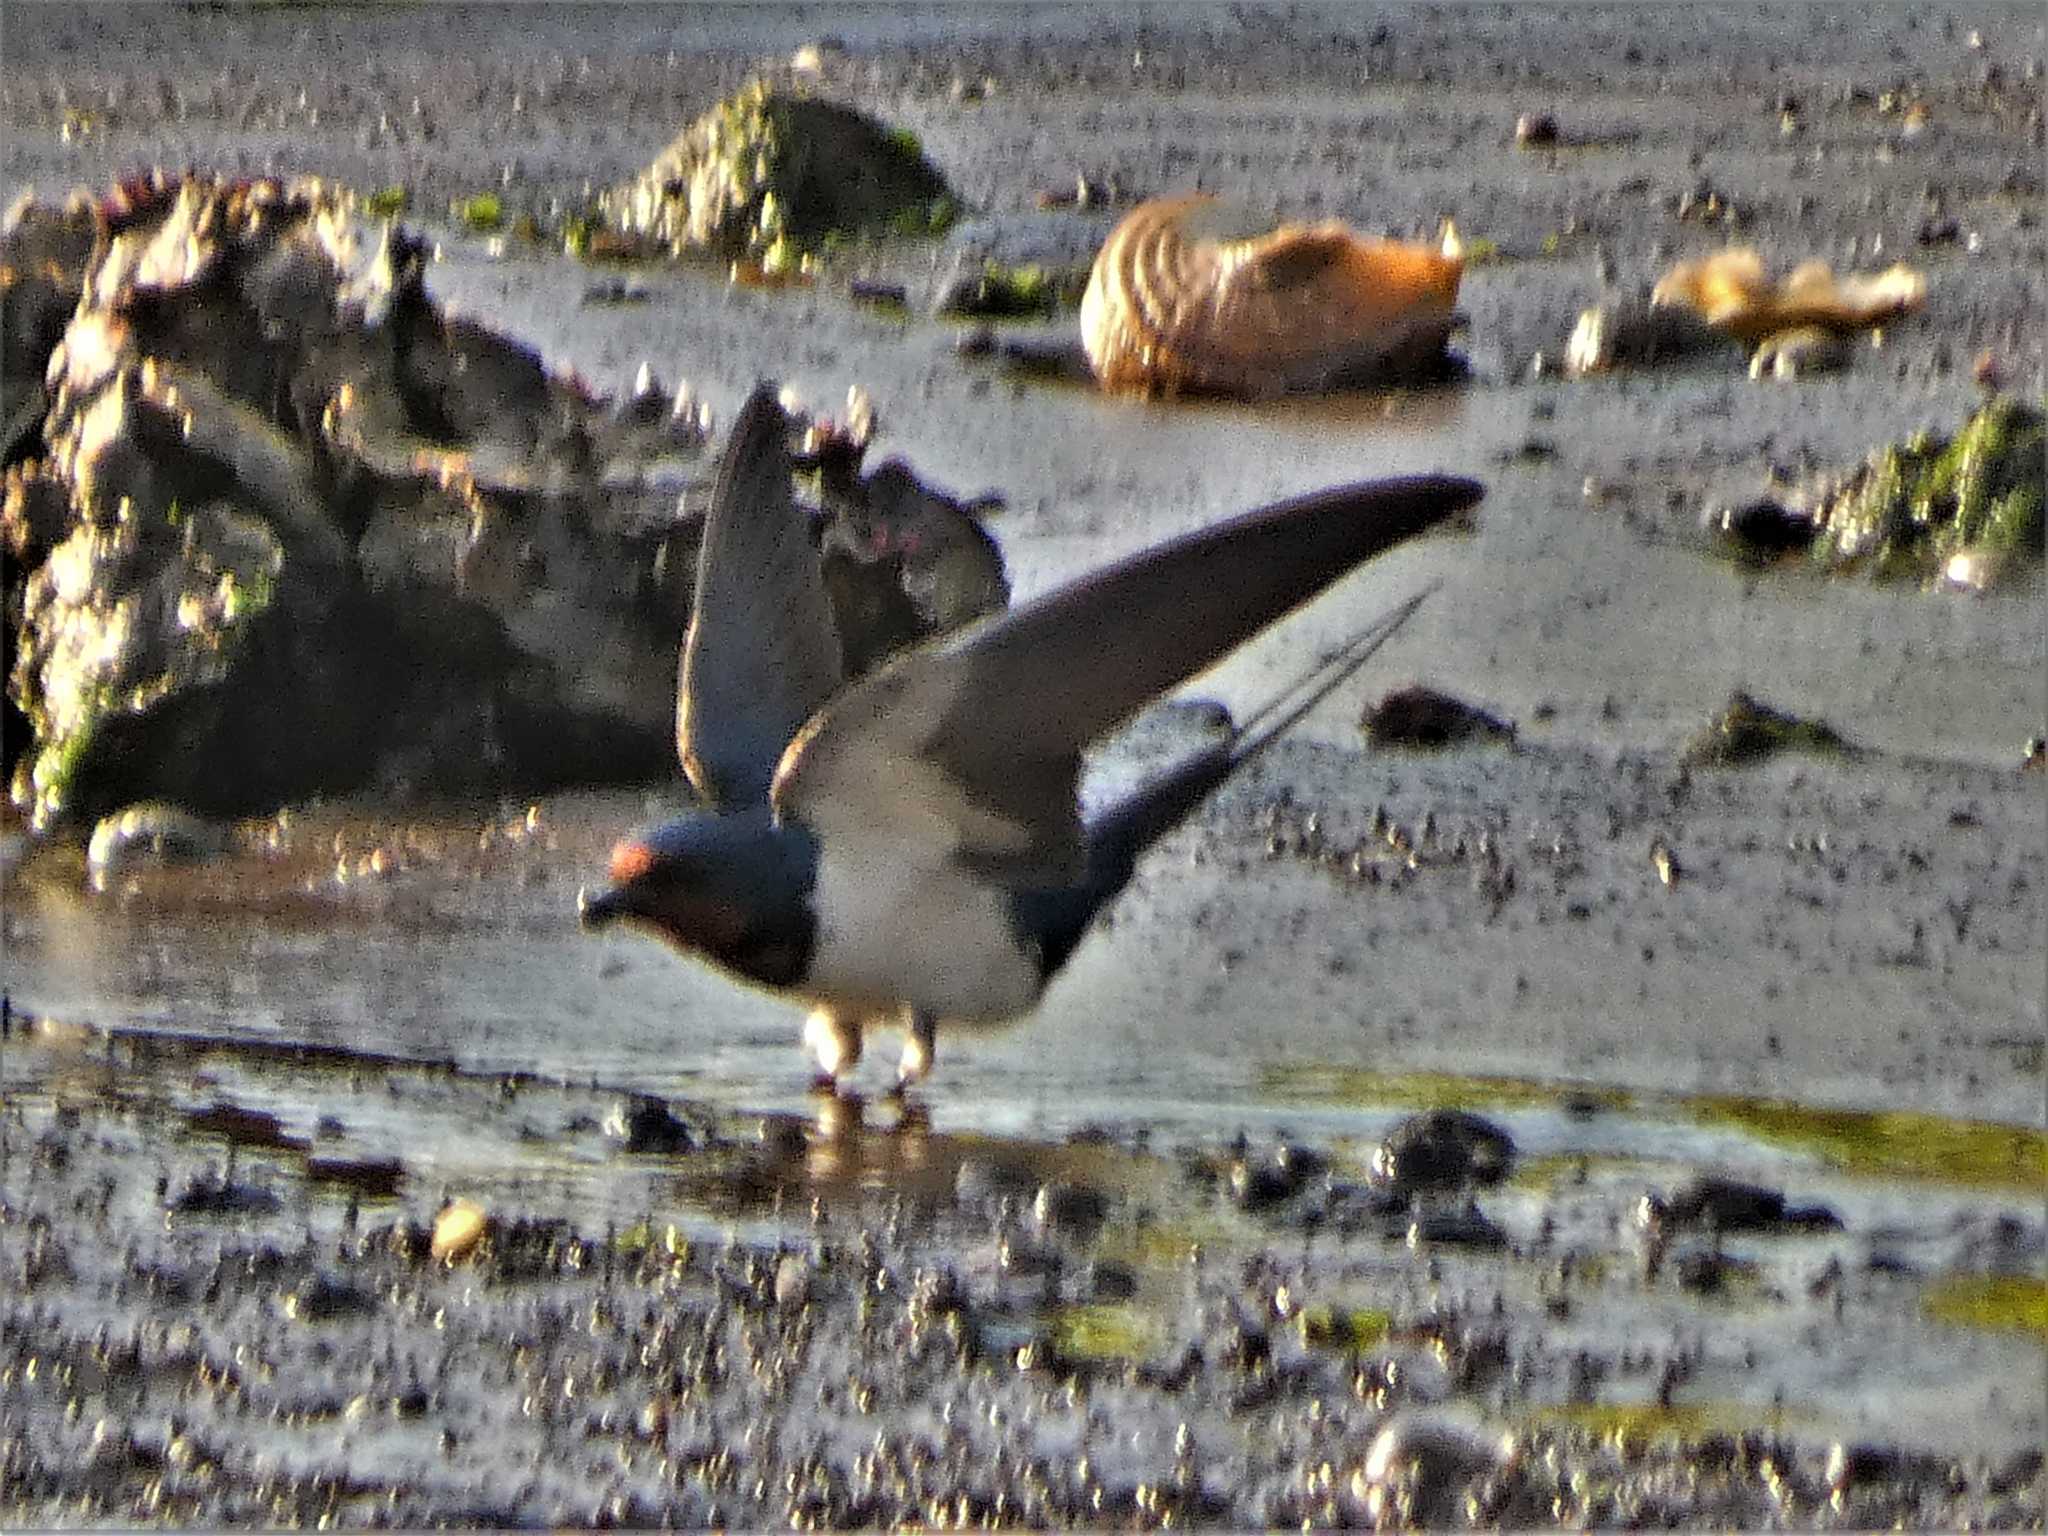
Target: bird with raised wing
[(910, 847)]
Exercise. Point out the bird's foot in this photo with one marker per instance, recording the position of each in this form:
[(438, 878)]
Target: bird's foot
[(920, 1052), (835, 1043)]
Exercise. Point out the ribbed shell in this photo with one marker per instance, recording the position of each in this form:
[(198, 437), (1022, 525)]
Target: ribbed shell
[(1175, 303)]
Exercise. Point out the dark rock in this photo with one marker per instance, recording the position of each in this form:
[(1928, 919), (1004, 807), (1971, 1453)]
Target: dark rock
[(243, 1127), (1417, 1473), (1707, 1272), (1725, 1205), (1070, 1208), (643, 1124), (1535, 129), (1850, 1465), (869, 291), (1258, 1183), (2016, 1472), (1425, 718), (324, 1298), (1443, 1149), (1761, 530), (369, 1178), (43, 254), (1109, 1281), (1466, 1228), (211, 1194), (985, 290)]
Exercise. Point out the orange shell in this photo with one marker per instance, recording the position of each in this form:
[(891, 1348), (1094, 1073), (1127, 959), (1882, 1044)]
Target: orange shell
[(1177, 302), (1730, 292)]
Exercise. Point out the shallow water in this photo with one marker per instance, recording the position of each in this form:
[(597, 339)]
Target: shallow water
[(1864, 934)]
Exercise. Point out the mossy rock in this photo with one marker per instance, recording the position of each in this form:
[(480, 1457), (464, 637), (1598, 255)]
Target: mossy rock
[(767, 173), (1913, 505)]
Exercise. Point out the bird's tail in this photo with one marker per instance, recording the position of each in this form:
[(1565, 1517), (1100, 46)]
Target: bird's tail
[(1157, 807), (1118, 835)]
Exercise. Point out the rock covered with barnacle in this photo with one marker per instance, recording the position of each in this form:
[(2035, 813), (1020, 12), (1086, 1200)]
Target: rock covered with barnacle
[(1183, 299), (770, 174), (289, 529)]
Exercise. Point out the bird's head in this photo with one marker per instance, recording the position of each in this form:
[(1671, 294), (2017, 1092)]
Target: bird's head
[(734, 887)]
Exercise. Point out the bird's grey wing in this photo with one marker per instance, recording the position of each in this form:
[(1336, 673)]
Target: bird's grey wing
[(762, 651), (971, 750)]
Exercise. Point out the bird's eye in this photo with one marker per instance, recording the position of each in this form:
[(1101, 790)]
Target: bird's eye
[(631, 859)]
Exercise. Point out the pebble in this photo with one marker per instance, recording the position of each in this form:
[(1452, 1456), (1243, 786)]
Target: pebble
[(1419, 717), (457, 1231)]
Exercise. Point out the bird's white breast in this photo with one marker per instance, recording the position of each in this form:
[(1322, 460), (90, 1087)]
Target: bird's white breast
[(937, 939)]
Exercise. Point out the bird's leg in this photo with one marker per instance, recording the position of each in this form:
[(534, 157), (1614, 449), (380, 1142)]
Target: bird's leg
[(920, 1047), (834, 1040)]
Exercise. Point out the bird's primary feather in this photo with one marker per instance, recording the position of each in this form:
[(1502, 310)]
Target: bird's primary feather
[(762, 652), (969, 752)]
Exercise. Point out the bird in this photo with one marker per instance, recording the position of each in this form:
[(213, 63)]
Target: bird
[(908, 848)]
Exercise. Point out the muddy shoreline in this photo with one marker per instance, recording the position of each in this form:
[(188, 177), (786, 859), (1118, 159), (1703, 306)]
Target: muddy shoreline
[(1128, 1264)]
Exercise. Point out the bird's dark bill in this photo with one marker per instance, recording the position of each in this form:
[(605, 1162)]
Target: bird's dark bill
[(687, 919)]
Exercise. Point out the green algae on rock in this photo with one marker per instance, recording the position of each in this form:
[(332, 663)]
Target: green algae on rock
[(1958, 509), (1913, 507), (2012, 1303), (1893, 1144), (1313, 1083), (1748, 731), (1092, 1331), (1351, 1330), (770, 174)]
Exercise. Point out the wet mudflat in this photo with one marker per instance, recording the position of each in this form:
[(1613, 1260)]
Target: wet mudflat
[(1132, 1263)]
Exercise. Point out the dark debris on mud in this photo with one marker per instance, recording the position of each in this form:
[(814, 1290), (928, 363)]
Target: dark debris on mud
[(877, 1326)]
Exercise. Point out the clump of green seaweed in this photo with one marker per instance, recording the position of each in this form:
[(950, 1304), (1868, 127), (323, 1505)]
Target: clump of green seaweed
[(1748, 731), (771, 176)]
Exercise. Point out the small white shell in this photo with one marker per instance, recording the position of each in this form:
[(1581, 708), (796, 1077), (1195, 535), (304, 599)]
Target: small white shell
[(1178, 300)]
